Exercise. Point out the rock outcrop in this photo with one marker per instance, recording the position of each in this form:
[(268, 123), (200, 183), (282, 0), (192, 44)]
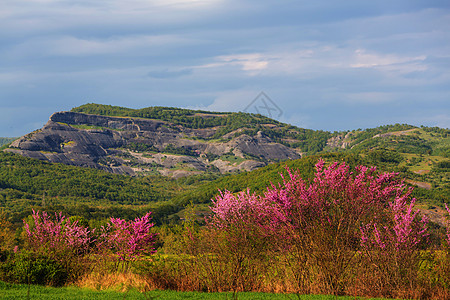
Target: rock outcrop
[(136, 146)]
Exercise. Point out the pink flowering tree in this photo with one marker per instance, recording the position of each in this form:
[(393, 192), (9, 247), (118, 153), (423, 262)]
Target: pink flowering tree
[(128, 240), (320, 224), (239, 235), (72, 244), (60, 239), (57, 236), (392, 246)]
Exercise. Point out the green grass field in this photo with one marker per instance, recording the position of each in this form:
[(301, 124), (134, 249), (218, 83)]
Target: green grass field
[(22, 291)]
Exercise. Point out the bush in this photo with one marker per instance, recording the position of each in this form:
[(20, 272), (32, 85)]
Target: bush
[(323, 229), (31, 268)]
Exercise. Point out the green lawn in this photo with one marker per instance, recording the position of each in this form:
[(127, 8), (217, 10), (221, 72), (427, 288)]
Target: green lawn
[(20, 291)]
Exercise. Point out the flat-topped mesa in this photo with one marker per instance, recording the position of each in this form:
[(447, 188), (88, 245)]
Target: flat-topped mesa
[(130, 145), (117, 123)]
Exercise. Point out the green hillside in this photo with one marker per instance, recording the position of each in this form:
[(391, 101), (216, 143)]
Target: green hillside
[(423, 140), (28, 183), (420, 154)]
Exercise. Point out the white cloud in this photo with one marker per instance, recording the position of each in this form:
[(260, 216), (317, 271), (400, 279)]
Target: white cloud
[(252, 63), (248, 62), (404, 64)]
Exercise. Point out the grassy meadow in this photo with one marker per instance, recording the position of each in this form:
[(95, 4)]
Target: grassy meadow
[(23, 291)]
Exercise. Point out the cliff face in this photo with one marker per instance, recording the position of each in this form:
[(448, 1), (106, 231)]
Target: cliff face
[(133, 146)]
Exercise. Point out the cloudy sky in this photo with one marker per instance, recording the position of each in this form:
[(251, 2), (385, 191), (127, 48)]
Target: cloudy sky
[(323, 64)]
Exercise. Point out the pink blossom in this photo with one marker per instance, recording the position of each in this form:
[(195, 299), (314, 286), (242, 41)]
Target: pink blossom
[(336, 199), (129, 240), (58, 236)]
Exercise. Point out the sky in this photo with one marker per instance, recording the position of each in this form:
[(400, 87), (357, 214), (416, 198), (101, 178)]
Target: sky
[(322, 64)]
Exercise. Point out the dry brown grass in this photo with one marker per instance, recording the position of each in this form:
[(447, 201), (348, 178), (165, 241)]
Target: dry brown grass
[(120, 282)]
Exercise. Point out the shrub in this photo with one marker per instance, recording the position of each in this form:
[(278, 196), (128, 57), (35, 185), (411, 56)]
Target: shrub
[(32, 268), (321, 227), (61, 240), (127, 241), (58, 238)]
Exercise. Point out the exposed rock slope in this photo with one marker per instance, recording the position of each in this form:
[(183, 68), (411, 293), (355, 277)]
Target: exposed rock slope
[(136, 145), (180, 142)]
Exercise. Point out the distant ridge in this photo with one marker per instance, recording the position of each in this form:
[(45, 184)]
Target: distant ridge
[(178, 142), (6, 140)]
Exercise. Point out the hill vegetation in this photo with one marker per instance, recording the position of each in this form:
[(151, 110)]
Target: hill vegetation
[(93, 194), (27, 183), (419, 154)]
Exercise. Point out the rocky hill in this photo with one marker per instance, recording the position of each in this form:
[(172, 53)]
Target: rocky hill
[(136, 145), (180, 142)]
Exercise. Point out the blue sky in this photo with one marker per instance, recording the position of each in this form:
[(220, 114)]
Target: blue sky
[(330, 65)]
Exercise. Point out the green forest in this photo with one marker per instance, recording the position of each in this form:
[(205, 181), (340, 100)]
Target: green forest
[(28, 183)]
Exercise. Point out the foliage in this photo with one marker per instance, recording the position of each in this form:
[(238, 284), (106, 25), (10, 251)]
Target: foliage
[(35, 177), (321, 220), (130, 240), (59, 238), (73, 246), (33, 268), (27, 183), (181, 151), (448, 226), (403, 139), (6, 232)]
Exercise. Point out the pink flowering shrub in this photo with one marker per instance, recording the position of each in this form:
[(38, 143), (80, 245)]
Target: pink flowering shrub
[(247, 209), (239, 238), (57, 237), (404, 232), (61, 240), (74, 245), (392, 246), (325, 224), (128, 240)]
